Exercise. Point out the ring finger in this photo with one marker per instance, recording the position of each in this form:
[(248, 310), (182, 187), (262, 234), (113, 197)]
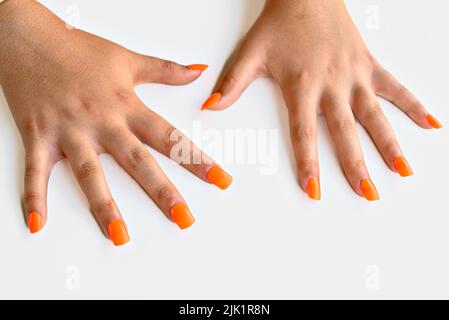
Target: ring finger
[(87, 170), (140, 164)]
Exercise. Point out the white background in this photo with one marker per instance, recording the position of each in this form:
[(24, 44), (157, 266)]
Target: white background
[(262, 238)]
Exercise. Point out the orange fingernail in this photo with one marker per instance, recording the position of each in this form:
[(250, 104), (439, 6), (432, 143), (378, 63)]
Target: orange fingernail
[(34, 222), (402, 167), (434, 122), (212, 101), (219, 177), (313, 189), (369, 190), (118, 233), (182, 216), (199, 67)]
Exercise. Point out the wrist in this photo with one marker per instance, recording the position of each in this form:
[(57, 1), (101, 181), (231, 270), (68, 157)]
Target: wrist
[(8, 7), (306, 6), (26, 29), (12, 15)]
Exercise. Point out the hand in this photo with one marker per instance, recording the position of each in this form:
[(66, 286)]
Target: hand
[(71, 95), (315, 53)]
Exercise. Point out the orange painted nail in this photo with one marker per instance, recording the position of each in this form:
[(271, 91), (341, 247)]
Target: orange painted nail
[(118, 233), (34, 222), (313, 189), (369, 190), (434, 122), (219, 177), (199, 67), (182, 216), (402, 167), (212, 101)]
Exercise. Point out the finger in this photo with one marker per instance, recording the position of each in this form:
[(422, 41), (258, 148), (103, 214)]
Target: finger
[(163, 137), (386, 86), (303, 126), (89, 173), (132, 155), (38, 166), (237, 77), (154, 70), (369, 112), (342, 127)]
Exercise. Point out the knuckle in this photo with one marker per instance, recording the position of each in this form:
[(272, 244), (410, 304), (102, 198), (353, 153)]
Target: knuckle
[(167, 65), (87, 169), (303, 79), (168, 137), (35, 128), (231, 79), (345, 125), (31, 196), (31, 172), (106, 206), (31, 128), (357, 166), (373, 61), (164, 193), (390, 147), (301, 83), (301, 133), (137, 156), (123, 95), (416, 109), (400, 93), (89, 105), (365, 62), (307, 166), (370, 113), (332, 70)]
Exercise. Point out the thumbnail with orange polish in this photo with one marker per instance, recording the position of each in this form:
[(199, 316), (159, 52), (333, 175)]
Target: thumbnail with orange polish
[(314, 189), (402, 167), (219, 177), (434, 122), (118, 233), (182, 216), (199, 67), (369, 190), (212, 101), (34, 222)]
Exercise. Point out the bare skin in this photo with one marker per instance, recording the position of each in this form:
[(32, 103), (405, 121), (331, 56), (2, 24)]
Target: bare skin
[(71, 94), (312, 49)]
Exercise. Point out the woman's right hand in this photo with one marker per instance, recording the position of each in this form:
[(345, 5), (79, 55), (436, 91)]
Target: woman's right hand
[(71, 94)]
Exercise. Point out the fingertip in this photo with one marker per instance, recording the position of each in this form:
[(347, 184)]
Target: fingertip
[(219, 177), (433, 122), (313, 189), (402, 167), (186, 76), (118, 233), (35, 222), (369, 190), (182, 216), (212, 101), (197, 67)]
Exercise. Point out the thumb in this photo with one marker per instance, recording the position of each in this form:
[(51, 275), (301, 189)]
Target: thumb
[(147, 69), (234, 81)]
